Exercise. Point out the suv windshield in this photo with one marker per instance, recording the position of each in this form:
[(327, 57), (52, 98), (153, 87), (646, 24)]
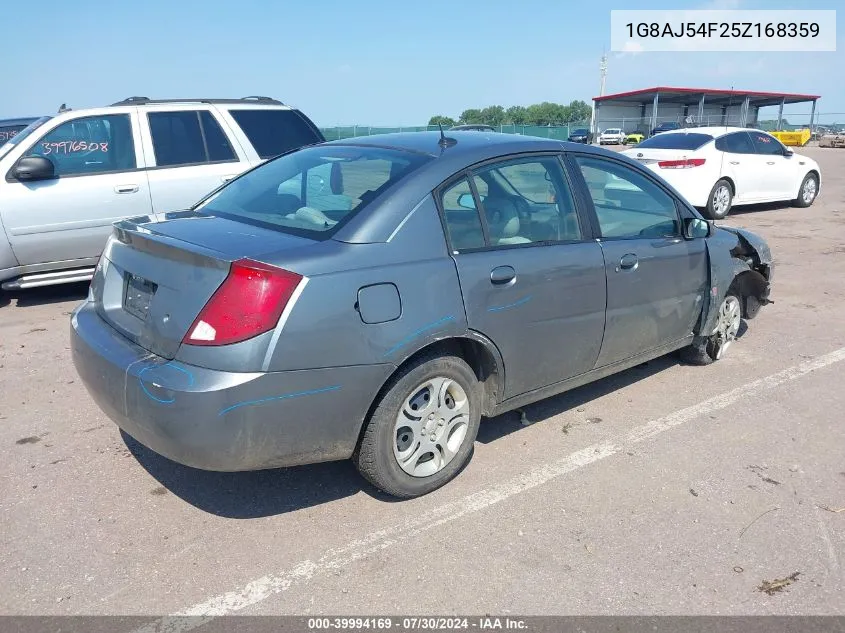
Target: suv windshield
[(17, 138), (312, 191), (691, 140)]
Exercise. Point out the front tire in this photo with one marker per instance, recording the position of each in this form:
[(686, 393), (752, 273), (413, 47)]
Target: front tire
[(808, 191), (421, 432), (720, 200), (713, 348)]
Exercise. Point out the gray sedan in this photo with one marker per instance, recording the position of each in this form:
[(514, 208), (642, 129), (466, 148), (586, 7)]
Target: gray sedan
[(374, 298)]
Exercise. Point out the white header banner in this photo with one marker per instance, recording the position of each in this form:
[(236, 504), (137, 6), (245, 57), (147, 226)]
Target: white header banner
[(638, 31)]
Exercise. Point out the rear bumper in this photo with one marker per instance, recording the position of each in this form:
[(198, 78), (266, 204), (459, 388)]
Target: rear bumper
[(217, 420)]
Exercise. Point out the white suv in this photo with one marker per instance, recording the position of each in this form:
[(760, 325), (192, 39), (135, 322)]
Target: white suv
[(65, 179)]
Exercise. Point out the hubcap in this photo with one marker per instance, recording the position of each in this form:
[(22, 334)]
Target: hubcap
[(721, 200), (727, 326), (809, 190), (431, 426)]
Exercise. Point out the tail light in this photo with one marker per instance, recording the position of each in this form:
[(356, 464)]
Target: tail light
[(249, 302), (685, 163)]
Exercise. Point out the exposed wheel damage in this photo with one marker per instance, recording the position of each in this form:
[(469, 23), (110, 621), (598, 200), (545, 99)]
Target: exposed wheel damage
[(741, 270)]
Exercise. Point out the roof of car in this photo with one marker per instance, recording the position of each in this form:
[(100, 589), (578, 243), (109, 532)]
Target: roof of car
[(147, 101), (493, 143), (713, 130)]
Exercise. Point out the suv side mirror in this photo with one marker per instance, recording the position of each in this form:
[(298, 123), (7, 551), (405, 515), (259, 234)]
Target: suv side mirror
[(34, 168), (696, 227), (787, 152)]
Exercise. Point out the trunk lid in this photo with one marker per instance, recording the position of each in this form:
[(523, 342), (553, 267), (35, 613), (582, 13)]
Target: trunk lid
[(650, 157), (154, 278)]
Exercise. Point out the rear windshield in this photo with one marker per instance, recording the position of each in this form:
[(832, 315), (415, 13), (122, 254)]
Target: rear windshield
[(313, 191), (692, 140), (274, 132)]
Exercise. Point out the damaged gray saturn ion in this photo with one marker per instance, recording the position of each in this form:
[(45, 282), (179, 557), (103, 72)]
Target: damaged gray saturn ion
[(374, 298)]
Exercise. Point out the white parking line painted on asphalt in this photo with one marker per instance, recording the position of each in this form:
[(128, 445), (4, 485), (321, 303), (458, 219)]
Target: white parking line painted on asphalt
[(264, 587)]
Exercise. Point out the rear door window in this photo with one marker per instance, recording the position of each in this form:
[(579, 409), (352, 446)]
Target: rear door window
[(89, 145), (275, 131), (736, 143), (188, 137)]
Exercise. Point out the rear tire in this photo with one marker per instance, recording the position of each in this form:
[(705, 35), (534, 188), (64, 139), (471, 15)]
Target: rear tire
[(807, 192), (422, 430), (720, 200)]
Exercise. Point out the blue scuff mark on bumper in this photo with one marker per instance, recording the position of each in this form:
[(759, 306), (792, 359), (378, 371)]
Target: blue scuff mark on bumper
[(297, 394), (422, 330), (157, 381), (510, 305)]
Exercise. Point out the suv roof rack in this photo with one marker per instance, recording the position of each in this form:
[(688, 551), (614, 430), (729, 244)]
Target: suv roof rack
[(145, 100)]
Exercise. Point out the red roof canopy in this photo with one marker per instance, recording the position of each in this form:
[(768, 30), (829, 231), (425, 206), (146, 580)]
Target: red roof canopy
[(712, 96)]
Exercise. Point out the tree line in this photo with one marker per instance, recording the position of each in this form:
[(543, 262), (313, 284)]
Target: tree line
[(545, 113)]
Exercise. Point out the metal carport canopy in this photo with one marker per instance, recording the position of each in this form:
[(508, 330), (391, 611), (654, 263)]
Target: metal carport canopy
[(698, 96)]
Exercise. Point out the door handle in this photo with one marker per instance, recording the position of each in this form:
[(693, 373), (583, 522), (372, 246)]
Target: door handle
[(126, 189), (628, 262), (734, 162), (228, 178), (770, 162), (502, 275)]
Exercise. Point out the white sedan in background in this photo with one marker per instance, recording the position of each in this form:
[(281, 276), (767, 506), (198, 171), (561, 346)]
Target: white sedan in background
[(612, 135), (717, 168)]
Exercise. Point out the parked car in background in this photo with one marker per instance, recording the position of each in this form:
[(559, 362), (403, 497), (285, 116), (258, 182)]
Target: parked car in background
[(68, 178), (635, 137), (611, 136), (717, 168), (581, 135), (256, 331), (474, 127), (9, 128), (666, 126)]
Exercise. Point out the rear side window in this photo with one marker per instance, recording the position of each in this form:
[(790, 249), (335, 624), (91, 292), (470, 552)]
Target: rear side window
[(690, 141), (188, 137), (736, 143), (274, 132), (89, 145)]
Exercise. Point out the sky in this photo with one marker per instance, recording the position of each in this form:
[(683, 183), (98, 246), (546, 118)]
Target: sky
[(373, 62)]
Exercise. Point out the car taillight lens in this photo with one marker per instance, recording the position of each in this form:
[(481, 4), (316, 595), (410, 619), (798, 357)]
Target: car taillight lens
[(249, 302), (681, 164)]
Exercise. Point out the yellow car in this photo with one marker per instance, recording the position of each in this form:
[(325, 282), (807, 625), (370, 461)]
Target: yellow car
[(633, 138)]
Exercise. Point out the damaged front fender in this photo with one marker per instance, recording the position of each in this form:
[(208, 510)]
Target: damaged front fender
[(739, 260)]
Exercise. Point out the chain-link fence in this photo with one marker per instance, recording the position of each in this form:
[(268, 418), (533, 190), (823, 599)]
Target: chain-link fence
[(790, 121), (559, 132)]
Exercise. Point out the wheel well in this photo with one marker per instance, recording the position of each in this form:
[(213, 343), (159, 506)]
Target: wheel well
[(731, 183), (480, 359), (750, 286)]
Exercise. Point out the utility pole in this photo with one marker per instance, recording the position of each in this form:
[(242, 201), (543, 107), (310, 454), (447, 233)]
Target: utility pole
[(603, 71)]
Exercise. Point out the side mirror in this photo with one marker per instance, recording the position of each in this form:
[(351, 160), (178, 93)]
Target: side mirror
[(787, 152), (696, 227), (466, 201), (34, 168)]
